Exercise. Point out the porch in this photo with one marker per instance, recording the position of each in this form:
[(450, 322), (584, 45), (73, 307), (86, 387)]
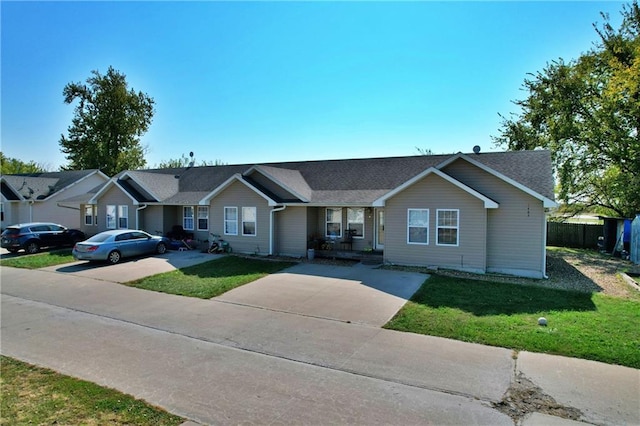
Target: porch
[(367, 257)]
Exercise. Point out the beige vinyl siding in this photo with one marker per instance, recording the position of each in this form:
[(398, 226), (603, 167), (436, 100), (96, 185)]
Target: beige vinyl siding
[(114, 196), (515, 231), (290, 230), (313, 214), (239, 195), (151, 220), (50, 211), (435, 193)]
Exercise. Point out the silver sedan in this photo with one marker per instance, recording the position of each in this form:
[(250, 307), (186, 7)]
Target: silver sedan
[(114, 245)]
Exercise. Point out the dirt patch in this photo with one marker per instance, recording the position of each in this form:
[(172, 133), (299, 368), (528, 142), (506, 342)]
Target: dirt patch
[(524, 397), (578, 270)]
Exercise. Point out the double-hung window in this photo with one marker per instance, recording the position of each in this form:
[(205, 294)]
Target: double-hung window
[(448, 225), (231, 221), (88, 215), (249, 221), (187, 217), (111, 217), (334, 223), (123, 217), (203, 218), (418, 226), (355, 221)]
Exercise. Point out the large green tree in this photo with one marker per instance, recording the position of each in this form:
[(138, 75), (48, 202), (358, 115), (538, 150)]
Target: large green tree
[(11, 166), (184, 161), (587, 112), (108, 123)]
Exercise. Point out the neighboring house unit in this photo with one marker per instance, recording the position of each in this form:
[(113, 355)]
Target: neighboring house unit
[(47, 197), (473, 212)]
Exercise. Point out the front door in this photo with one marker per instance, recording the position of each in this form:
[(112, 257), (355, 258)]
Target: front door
[(379, 229)]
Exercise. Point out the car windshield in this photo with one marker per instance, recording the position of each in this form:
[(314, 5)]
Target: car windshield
[(99, 238), (11, 231)]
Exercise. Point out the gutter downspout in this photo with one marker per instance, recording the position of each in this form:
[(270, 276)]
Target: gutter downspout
[(30, 204), (544, 245), (271, 217), (144, 206)]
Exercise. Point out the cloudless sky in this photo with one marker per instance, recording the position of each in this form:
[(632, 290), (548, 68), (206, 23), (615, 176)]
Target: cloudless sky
[(247, 82)]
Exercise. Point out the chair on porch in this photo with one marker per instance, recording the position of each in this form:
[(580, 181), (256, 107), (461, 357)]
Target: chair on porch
[(347, 241)]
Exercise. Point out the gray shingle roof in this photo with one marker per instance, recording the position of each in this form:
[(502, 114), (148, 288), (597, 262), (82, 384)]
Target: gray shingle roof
[(38, 186), (161, 185), (356, 181)]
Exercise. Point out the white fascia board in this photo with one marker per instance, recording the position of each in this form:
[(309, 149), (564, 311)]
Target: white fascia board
[(236, 177), (112, 182), (21, 198), (266, 174), (546, 202), (488, 202)]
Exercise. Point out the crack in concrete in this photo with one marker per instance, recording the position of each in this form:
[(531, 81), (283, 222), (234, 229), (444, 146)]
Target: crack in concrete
[(524, 397)]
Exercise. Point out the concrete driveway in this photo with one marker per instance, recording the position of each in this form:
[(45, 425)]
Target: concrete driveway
[(134, 268), (351, 294)]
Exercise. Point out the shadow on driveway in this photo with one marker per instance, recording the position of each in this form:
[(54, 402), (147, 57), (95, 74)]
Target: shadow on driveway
[(134, 268)]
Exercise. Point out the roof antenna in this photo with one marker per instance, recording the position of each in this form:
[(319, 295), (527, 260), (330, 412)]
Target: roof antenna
[(476, 149)]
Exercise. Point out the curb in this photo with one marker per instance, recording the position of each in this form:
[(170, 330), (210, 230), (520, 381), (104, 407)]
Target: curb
[(630, 281)]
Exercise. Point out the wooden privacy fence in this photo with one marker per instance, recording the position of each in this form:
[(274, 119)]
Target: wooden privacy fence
[(576, 235)]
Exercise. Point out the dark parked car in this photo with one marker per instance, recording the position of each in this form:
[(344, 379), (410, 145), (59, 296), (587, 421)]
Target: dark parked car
[(31, 237), (113, 245)]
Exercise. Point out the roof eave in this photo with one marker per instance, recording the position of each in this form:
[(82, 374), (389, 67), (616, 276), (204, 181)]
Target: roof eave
[(276, 181), (488, 202), (547, 202), (236, 177)]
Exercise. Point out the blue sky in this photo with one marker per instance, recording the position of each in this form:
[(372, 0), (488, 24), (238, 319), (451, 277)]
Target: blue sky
[(247, 82)]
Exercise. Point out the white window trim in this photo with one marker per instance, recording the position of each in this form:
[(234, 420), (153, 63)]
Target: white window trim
[(409, 226), (364, 213), (114, 216), (185, 217), (326, 222), (125, 215), (225, 220), (206, 209), (249, 221), (457, 227), (91, 216)]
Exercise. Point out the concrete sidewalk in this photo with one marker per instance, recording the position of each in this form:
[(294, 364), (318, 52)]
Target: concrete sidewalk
[(216, 362)]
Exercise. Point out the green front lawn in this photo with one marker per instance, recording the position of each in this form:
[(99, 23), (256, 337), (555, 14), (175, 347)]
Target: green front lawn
[(583, 325), (212, 278), (40, 260), (36, 396)]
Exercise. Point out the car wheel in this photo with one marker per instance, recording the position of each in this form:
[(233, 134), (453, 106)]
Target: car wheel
[(161, 248), (32, 247), (114, 257)]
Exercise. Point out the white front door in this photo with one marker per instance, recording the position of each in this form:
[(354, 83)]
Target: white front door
[(379, 229)]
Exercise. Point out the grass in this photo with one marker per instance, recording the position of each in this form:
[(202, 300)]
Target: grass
[(210, 279), (583, 325), (40, 260), (33, 395)]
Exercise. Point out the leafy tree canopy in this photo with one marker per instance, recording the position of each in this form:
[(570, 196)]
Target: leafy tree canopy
[(184, 161), (587, 113), (108, 122), (12, 166)]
